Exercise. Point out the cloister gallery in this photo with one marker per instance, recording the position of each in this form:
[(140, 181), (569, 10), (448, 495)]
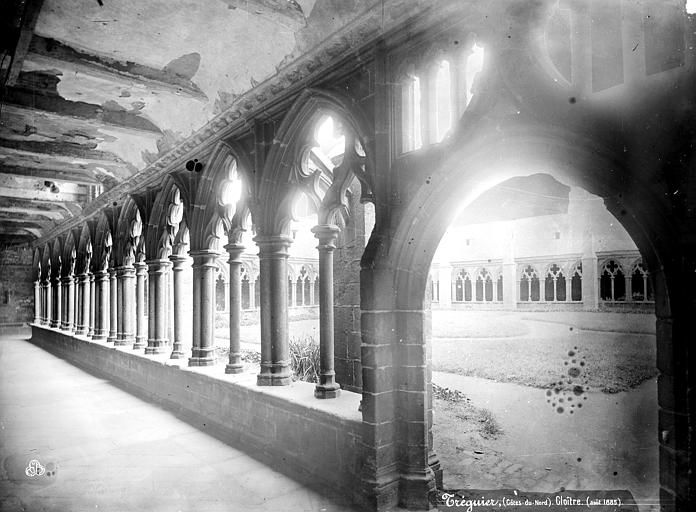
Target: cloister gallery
[(358, 132)]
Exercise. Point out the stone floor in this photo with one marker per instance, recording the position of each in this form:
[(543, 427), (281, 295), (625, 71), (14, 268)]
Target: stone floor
[(103, 449)]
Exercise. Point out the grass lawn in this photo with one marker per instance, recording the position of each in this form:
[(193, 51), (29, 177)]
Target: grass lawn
[(612, 358)]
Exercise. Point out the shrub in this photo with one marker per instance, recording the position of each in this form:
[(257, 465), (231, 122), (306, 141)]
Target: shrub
[(304, 358)]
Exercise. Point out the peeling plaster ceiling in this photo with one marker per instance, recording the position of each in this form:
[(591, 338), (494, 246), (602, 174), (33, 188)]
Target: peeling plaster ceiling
[(92, 91)]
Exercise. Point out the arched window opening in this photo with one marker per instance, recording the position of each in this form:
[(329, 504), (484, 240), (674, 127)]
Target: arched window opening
[(529, 285), (316, 291), (411, 114), (332, 142), (555, 284), (641, 290), (484, 286), (443, 100), (246, 290), (220, 295), (612, 283), (291, 292), (576, 283), (500, 287), (230, 189), (302, 288), (462, 287), (435, 290), (306, 292)]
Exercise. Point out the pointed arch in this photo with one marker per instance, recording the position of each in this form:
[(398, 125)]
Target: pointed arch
[(69, 255), (36, 265), (281, 169), (56, 257), (103, 244), (129, 231), (225, 160), (165, 220), (85, 251)]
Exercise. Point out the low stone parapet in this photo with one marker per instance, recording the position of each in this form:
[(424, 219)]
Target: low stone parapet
[(315, 441)]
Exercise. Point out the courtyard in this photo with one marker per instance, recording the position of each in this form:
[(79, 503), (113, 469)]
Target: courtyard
[(511, 413)]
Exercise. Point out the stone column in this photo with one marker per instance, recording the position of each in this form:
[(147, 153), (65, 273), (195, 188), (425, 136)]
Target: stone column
[(113, 306), (92, 306), (126, 311), (275, 354), (203, 353), (63, 301), (68, 303), (234, 365), (37, 302), (83, 314), (569, 288), (140, 274), (119, 307), (293, 292), (180, 294), (327, 387), (101, 327), (629, 288), (49, 302), (196, 310), (57, 303), (157, 300)]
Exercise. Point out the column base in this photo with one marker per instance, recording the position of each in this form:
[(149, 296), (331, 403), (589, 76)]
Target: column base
[(381, 493), (203, 357), (418, 491), (80, 331), (125, 341), (177, 354), (202, 361), (99, 336), (154, 347), (327, 390), (54, 324), (140, 342), (281, 377), (111, 338), (234, 368)]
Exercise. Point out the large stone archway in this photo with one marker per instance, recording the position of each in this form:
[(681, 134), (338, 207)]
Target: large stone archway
[(396, 266)]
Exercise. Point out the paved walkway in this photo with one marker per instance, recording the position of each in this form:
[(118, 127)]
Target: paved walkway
[(106, 450)]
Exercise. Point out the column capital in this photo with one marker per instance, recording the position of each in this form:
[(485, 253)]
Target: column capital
[(273, 246), (157, 266), (326, 234), (66, 279), (235, 251), (178, 260), (204, 258), (101, 274), (125, 271), (140, 266)]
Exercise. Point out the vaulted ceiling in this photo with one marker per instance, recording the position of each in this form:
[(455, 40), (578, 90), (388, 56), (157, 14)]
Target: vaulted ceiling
[(94, 90)]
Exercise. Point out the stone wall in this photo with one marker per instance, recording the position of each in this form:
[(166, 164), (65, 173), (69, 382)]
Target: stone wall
[(350, 246), (315, 441), (16, 285)]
